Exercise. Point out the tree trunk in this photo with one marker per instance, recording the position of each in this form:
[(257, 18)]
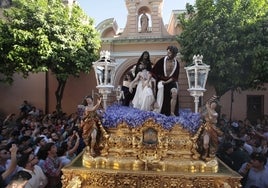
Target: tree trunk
[(59, 94)]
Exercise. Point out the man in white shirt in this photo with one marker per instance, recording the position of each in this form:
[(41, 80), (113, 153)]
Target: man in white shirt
[(254, 172), (29, 164)]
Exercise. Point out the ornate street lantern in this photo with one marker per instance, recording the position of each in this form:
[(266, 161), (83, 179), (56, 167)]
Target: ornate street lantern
[(197, 74), (104, 73)]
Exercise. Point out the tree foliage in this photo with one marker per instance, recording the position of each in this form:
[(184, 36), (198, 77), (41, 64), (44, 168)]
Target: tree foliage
[(232, 35), (45, 35)]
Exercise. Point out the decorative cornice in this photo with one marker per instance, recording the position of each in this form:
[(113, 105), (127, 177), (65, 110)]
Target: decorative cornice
[(137, 39)]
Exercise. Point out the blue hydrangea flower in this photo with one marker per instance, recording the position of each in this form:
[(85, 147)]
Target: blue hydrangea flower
[(116, 114)]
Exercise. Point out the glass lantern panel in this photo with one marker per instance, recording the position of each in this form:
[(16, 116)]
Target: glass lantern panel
[(100, 75), (109, 78), (191, 74), (201, 79)]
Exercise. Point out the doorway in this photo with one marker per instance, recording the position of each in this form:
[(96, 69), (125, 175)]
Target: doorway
[(255, 107)]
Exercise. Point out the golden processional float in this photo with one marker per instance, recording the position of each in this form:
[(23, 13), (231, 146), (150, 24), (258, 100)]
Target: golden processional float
[(147, 149)]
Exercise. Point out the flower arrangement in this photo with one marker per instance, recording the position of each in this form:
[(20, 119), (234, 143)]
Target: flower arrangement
[(116, 114)]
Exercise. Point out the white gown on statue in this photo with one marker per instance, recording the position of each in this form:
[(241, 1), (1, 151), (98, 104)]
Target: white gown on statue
[(159, 97), (144, 97)]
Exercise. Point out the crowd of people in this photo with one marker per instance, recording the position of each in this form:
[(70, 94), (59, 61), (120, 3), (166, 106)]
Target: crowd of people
[(36, 146), (243, 147)]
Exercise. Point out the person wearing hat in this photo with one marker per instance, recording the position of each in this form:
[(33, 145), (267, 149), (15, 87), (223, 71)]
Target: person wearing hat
[(254, 172)]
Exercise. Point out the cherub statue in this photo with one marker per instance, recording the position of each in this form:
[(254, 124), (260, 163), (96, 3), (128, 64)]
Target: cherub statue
[(91, 125), (210, 133)]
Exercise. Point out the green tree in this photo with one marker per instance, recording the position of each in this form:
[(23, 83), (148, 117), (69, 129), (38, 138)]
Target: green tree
[(44, 35), (232, 36)]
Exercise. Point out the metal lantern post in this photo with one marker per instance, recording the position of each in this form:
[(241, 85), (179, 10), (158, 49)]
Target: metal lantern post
[(197, 74), (104, 73)]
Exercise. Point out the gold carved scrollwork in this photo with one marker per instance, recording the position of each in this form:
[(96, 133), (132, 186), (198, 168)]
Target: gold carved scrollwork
[(70, 181), (74, 183), (91, 178), (148, 156), (151, 147)]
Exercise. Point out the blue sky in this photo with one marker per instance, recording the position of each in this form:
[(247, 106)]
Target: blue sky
[(100, 10)]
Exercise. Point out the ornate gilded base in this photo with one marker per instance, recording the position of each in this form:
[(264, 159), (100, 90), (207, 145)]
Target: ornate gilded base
[(76, 176), (150, 147), (148, 156)]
